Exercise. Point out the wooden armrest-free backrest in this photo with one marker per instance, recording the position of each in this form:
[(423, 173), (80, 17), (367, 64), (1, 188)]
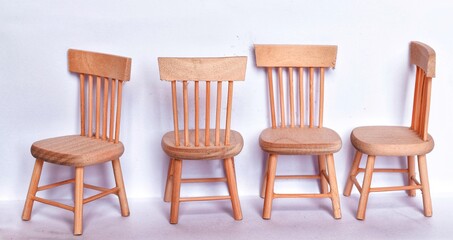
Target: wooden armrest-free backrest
[(207, 70), (295, 61), (106, 73), (424, 58)]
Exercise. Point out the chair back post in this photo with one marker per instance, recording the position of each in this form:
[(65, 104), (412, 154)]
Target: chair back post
[(196, 71), (424, 58), (300, 60), (101, 78)]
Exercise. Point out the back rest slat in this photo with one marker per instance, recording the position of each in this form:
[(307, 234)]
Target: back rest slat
[(98, 106), (301, 98), (291, 97), (218, 112), (424, 58), (105, 108), (175, 112), (187, 70), (271, 96), (90, 105), (312, 97), (96, 71), (82, 104), (282, 97), (228, 113), (112, 109), (207, 140), (186, 112), (310, 60), (197, 113), (321, 97), (118, 111)]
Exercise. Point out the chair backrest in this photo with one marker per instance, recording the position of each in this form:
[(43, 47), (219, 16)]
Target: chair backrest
[(101, 80), (293, 63), (205, 70), (424, 58)]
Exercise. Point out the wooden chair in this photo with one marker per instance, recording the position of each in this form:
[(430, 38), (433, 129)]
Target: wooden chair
[(397, 140), (101, 80), (289, 134), (206, 140)]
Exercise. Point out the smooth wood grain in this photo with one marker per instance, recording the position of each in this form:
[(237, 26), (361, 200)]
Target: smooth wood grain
[(213, 140), (390, 141), (423, 56), (101, 79), (99, 64), (269, 55), (399, 140), (76, 150), (202, 69), (305, 134)]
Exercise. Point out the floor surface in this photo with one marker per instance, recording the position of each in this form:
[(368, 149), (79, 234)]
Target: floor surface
[(389, 216)]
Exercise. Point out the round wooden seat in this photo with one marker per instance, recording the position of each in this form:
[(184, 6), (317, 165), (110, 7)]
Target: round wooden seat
[(202, 152), (390, 141), (76, 150), (299, 141)]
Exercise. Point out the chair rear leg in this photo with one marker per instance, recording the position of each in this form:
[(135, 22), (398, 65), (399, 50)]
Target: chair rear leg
[(32, 189), (263, 187), (411, 175), (169, 182), (122, 190), (232, 188), (352, 173), (322, 167), (365, 187), (269, 196), (333, 187), (78, 201), (174, 211), (427, 205)]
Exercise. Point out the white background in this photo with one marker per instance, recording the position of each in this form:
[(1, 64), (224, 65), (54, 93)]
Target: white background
[(372, 82)]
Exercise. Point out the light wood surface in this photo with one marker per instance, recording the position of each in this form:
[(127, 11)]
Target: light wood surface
[(101, 79), (203, 130), (296, 73), (409, 142)]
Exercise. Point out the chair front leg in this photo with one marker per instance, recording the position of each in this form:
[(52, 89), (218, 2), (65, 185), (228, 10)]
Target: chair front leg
[(427, 205), (365, 187), (333, 187), (174, 211), (352, 173), (122, 189), (263, 187), (32, 189), (169, 182), (322, 168), (269, 196), (78, 201), (411, 175), (232, 188)]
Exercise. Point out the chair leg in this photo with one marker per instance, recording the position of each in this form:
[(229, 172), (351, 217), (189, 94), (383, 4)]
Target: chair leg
[(78, 201), (232, 188), (427, 205), (411, 175), (322, 167), (352, 173), (263, 187), (269, 196), (32, 189), (122, 190), (169, 182), (174, 211), (365, 187), (333, 187)]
